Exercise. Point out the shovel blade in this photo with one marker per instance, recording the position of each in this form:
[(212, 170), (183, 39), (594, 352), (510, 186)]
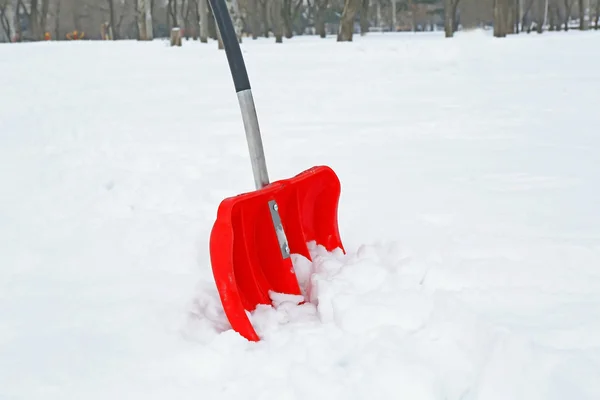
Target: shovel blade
[(255, 233)]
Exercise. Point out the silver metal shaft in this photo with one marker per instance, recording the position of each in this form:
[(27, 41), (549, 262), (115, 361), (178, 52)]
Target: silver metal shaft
[(255, 146)]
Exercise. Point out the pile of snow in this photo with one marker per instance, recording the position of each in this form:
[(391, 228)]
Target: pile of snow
[(469, 213), (378, 321)]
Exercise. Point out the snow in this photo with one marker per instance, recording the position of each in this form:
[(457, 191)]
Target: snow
[(469, 213)]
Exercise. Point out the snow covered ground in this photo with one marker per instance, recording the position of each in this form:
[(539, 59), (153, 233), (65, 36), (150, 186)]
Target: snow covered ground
[(470, 175)]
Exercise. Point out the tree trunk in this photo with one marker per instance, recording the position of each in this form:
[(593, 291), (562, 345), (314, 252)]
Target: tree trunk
[(552, 19), (568, 4), (501, 18), (264, 14), (203, 18), (286, 16), (149, 21), (5, 21), (276, 19), (44, 17), (113, 19), (498, 18), (189, 25), (449, 18), (347, 21), (395, 14), (18, 30), (320, 18), (172, 14), (541, 17), (584, 14), (526, 15), (597, 24), (34, 20), (364, 17), (137, 20), (557, 17), (511, 7), (517, 15), (413, 15), (253, 10), (57, 20), (455, 14), (141, 19)]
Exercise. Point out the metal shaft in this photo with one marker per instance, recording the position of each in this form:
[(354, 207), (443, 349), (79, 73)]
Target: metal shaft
[(255, 146)]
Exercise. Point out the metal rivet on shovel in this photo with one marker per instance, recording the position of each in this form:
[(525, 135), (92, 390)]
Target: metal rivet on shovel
[(256, 232)]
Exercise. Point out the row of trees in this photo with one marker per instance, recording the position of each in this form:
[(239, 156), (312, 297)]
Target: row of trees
[(26, 20), (511, 16)]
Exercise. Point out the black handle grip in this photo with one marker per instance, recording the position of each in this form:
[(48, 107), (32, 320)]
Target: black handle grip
[(231, 44)]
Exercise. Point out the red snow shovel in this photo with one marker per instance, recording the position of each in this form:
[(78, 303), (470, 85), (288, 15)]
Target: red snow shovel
[(255, 233)]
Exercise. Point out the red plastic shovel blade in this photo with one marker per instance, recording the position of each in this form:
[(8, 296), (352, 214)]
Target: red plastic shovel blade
[(247, 258)]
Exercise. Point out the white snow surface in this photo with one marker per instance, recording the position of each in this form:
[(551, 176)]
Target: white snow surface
[(470, 174)]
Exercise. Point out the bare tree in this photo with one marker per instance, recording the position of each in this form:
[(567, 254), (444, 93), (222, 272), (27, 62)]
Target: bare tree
[(568, 9), (501, 18), (364, 16), (290, 11), (5, 19), (57, 19), (347, 21), (144, 19), (517, 14), (172, 15), (34, 21), (44, 17), (412, 11), (140, 23), (263, 10), (512, 18), (597, 22), (202, 9), (394, 12), (36, 14), (542, 12), (321, 6), (253, 7), (275, 16), (189, 20), (526, 15), (114, 24), (450, 8), (554, 16), (584, 14)]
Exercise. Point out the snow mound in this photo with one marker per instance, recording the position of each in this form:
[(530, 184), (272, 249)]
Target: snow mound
[(369, 324)]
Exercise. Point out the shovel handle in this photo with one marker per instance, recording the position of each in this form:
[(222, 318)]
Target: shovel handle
[(243, 90)]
